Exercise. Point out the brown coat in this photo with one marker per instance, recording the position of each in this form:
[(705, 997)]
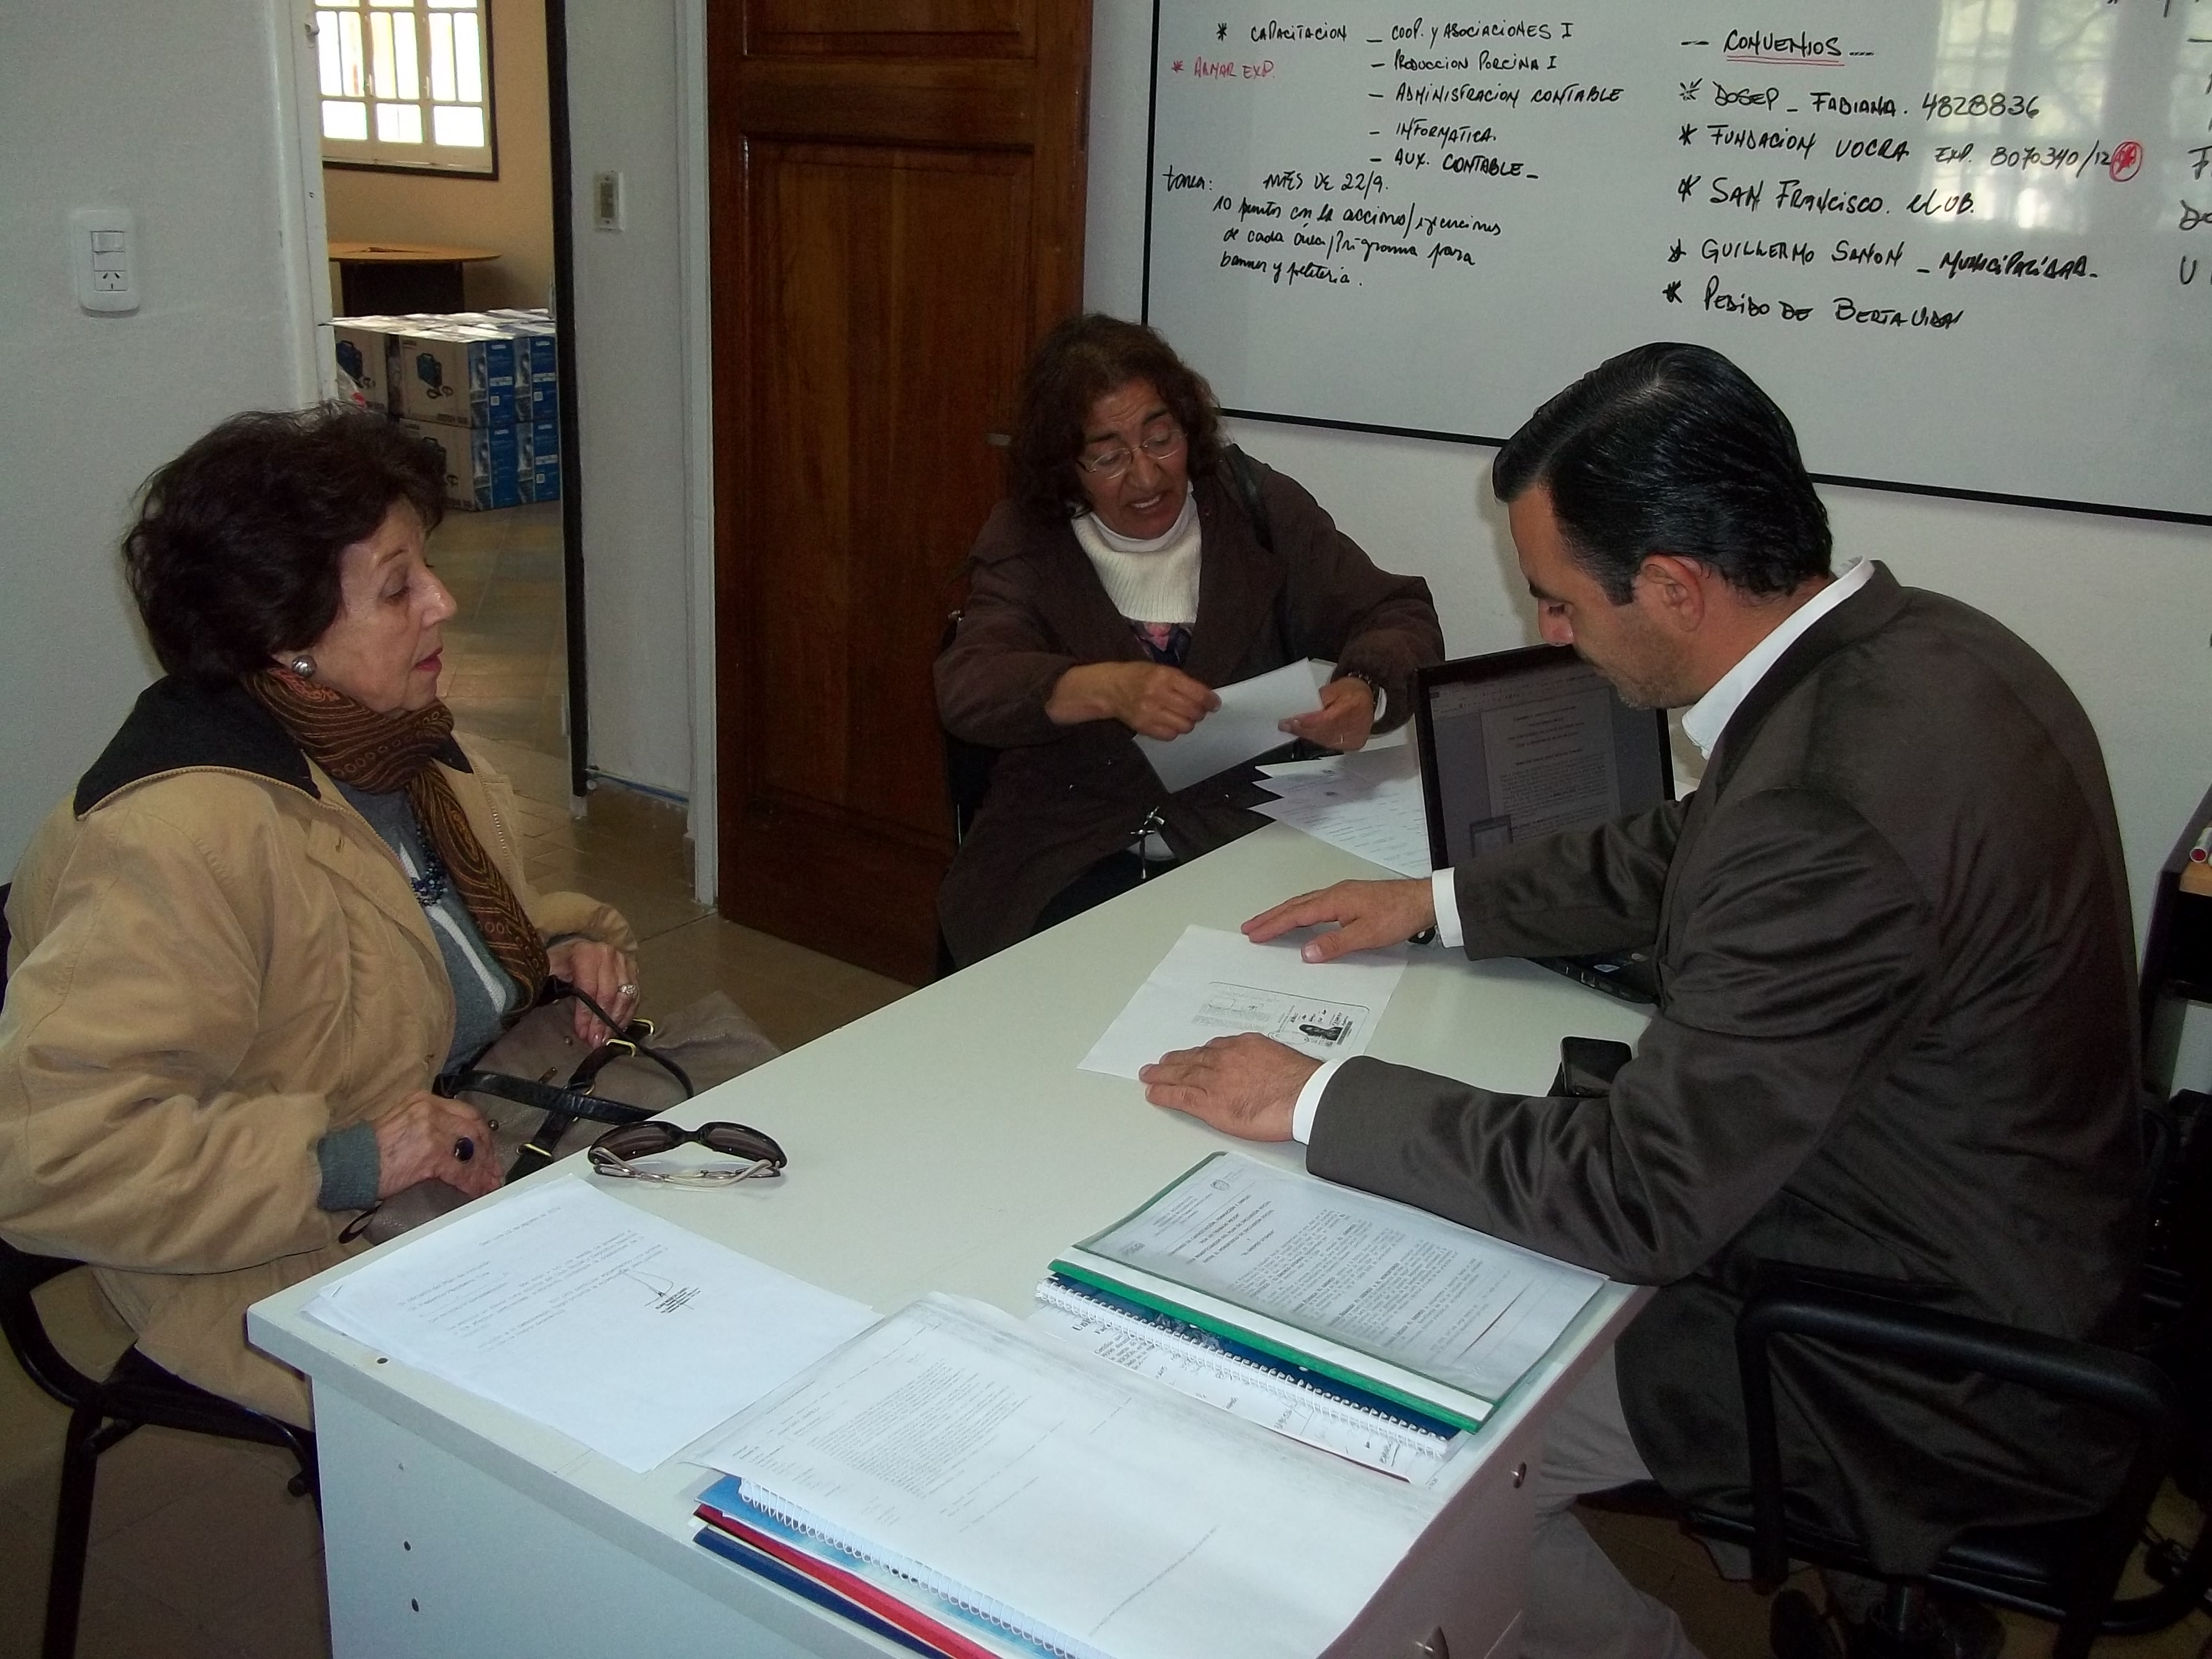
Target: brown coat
[(214, 963), (1062, 798), (1895, 1037)]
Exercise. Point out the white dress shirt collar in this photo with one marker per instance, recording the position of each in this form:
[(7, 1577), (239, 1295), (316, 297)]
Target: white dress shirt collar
[(1704, 720)]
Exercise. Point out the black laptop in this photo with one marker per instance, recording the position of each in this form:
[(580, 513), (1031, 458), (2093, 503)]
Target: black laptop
[(1519, 745)]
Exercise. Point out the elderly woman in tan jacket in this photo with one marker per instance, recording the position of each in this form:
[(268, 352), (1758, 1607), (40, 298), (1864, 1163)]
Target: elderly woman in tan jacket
[(279, 905)]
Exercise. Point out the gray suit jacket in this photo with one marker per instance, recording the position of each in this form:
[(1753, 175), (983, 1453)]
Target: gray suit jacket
[(1895, 1037)]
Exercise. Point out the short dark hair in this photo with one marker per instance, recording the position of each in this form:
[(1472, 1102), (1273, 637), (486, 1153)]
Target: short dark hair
[(1672, 449), (234, 556), (1081, 361)]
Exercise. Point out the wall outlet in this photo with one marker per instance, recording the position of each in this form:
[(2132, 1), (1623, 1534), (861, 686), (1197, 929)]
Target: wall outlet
[(104, 259), (606, 201)]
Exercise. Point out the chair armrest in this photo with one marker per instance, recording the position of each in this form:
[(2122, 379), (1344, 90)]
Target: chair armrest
[(1865, 1318)]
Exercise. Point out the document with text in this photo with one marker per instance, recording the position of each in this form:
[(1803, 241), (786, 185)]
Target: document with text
[(582, 1312), (1418, 1307), (1216, 983), (1368, 803), (1095, 1510)]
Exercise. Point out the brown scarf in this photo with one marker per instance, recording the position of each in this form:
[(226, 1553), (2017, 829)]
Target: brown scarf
[(380, 753)]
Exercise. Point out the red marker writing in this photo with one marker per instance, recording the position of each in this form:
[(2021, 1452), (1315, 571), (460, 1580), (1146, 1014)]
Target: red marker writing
[(2127, 160)]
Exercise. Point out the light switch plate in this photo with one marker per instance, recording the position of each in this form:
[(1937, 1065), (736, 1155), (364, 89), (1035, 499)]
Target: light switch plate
[(104, 259), (606, 201)]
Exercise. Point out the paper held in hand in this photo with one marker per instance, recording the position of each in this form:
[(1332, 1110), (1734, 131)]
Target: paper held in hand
[(1248, 723), (1216, 983), (1372, 1292)]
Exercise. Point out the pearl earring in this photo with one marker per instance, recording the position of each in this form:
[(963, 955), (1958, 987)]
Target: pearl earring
[(303, 666)]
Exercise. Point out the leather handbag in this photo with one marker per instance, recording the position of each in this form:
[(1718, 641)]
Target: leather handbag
[(538, 1081)]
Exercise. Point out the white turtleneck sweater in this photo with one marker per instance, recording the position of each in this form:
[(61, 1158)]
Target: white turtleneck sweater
[(1149, 581)]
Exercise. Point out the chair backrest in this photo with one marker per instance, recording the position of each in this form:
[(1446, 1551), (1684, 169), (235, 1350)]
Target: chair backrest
[(968, 766)]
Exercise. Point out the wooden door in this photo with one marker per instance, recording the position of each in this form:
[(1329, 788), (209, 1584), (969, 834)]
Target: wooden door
[(897, 217)]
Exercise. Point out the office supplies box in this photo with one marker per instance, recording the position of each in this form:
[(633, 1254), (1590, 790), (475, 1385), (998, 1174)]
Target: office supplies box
[(454, 375), (481, 464), (363, 347), (1333, 1286)]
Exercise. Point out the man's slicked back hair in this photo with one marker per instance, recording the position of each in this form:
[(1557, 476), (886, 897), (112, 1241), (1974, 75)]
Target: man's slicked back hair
[(1672, 448)]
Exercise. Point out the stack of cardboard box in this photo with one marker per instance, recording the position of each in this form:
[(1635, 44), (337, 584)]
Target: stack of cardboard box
[(480, 386)]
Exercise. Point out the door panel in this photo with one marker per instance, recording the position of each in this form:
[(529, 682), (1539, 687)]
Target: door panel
[(891, 233)]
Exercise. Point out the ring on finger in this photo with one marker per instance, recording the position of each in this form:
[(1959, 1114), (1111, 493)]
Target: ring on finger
[(625, 990)]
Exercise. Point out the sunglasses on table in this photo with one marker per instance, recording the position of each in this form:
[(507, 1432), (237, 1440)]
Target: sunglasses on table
[(611, 1154)]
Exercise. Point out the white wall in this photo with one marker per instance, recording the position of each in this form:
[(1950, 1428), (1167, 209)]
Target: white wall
[(2121, 607), (626, 109), (182, 114)]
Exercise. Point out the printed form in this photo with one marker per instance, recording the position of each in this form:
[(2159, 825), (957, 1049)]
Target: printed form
[(1379, 1277), (1099, 1510), (1216, 983), (575, 1310)]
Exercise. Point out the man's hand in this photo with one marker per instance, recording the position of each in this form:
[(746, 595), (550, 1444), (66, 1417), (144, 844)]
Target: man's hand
[(422, 1141), (1344, 718), (1247, 1086), (1150, 698), (1369, 917), (602, 973)]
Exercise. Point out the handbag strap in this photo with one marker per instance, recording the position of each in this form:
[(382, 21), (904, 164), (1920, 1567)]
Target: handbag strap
[(564, 1103)]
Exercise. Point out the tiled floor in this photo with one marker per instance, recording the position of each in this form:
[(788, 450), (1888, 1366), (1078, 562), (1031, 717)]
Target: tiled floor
[(197, 1550)]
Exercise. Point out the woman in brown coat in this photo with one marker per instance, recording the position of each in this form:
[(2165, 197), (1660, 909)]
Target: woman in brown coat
[(1124, 579), (281, 903)]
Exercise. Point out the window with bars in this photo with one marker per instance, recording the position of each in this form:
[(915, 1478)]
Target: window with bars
[(406, 83)]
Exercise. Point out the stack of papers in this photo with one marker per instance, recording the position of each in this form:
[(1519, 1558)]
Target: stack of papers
[(1368, 802), (1064, 1500), (580, 1311)]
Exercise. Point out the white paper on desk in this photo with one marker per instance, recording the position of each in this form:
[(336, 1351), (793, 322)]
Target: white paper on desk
[(1022, 1477), (577, 1310), (1248, 723), (1215, 983), (1368, 803)]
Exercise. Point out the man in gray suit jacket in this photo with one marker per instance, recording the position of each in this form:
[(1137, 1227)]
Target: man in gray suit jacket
[(1895, 1032)]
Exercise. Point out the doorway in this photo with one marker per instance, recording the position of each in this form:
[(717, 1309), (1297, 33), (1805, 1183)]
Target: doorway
[(445, 187), (896, 215)]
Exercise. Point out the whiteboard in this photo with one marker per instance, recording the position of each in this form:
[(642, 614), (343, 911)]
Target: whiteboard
[(1966, 245)]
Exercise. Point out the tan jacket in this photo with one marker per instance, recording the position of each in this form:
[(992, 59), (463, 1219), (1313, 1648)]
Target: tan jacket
[(211, 969)]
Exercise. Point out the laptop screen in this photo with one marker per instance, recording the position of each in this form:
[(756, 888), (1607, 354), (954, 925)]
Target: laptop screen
[(1518, 744)]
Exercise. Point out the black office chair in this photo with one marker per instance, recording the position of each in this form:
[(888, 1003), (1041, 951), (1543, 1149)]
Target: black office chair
[(2068, 1572), (968, 768), (136, 1392)]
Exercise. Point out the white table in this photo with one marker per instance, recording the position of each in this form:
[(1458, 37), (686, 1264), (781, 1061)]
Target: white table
[(946, 1142)]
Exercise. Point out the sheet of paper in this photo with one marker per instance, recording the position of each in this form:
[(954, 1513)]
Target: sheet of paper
[(573, 1309), (1248, 723), (1252, 1393), (1368, 803), (1092, 1506), (1214, 983), (1379, 1277)]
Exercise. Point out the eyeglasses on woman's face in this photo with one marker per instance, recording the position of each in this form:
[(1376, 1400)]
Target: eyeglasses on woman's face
[(1163, 440)]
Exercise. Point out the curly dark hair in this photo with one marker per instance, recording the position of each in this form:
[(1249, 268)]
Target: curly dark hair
[(1672, 448), (1073, 367), (234, 557)]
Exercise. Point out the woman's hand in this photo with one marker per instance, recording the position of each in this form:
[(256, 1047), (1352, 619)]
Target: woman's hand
[(422, 1141), (1344, 718), (602, 973), (1150, 698)]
